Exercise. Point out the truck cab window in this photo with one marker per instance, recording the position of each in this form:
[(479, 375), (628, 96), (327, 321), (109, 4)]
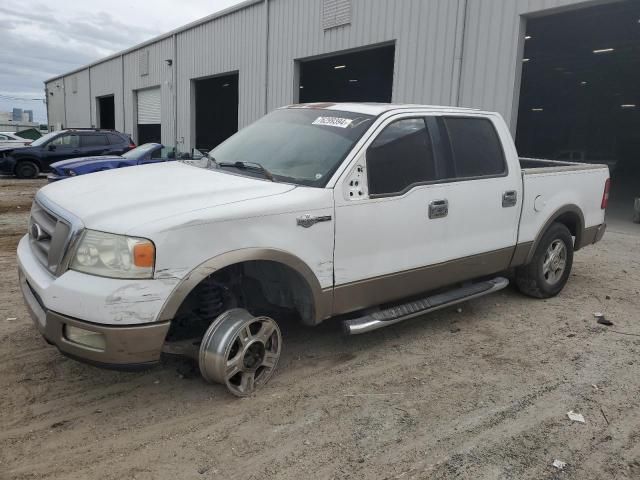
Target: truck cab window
[(475, 148), (402, 155)]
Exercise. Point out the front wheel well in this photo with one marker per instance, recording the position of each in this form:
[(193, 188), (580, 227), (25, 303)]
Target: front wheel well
[(260, 286)]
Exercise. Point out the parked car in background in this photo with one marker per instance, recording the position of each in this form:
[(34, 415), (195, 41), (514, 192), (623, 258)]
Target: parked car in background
[(11, 139), (146, 153), (28, 162), (583, 156)]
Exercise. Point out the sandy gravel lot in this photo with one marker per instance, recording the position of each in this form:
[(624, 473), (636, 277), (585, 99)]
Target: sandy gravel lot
[(479, 394)]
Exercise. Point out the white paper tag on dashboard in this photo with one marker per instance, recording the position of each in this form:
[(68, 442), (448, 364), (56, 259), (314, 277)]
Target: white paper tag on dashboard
[(333, 122)]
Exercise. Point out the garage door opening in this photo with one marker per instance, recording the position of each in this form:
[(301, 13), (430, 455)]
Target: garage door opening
[(580, 98), (216, 110), (363, 76), (149, 126), (107, 112)]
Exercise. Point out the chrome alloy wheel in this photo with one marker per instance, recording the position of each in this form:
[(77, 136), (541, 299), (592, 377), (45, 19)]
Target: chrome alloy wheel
[(555, 261), (240, 351)]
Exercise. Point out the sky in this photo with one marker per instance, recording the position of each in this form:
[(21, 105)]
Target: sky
[(40, 40)]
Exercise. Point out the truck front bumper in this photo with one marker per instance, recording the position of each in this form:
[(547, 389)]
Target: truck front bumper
[(107, 322), (127, 347)]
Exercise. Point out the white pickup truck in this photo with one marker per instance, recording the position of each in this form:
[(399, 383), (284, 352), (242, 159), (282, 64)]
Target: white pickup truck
[(371, 213)]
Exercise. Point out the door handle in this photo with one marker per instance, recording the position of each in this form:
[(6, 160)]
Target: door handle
[(509, 199), (438, 209)]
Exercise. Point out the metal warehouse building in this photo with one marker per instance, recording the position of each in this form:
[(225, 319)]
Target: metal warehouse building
[(563, 73)]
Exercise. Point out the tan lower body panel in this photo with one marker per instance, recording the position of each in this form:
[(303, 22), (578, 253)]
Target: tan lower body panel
[(387, 288), (592, 235)]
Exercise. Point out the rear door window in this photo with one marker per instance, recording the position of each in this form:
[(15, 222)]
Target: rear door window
[(115, 139), (474, 149), (93, 140), (401, 156)]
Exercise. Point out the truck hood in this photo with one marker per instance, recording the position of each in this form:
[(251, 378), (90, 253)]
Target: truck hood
[(118, 200)]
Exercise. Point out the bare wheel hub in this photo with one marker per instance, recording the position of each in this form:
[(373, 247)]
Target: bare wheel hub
[(554, 262), (240, 351)]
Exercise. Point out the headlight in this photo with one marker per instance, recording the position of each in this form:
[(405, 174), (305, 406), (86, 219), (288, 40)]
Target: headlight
[(115, 256), (72, 173)]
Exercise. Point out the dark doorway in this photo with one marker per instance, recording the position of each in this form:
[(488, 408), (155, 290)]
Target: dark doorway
[(106, 112), (363, 76), (216, 110), (149, 133), (580, 94)]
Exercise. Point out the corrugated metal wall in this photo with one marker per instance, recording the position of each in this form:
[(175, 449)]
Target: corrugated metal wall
[(464, 52), (160, 74), (424, 33), (76, 88), (55, 103), (106, 79), (232, 43)]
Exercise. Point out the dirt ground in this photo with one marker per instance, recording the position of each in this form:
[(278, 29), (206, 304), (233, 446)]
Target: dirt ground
[(481, 393)]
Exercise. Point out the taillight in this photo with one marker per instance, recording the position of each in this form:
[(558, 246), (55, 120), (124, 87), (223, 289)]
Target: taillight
[(605, 195)]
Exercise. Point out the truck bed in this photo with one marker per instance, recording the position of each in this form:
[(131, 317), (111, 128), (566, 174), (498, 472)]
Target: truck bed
[(539, 165), (551, 186)]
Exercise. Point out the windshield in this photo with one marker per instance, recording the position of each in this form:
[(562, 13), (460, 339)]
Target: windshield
[(44, 139), (298, 145), (139, 151)]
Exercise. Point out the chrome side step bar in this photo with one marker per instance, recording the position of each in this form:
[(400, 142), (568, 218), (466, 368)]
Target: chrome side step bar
[(389, 316)]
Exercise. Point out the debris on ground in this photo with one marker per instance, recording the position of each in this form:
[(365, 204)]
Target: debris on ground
[(559, 464), (575, 417), (604, 321), (10, 319)]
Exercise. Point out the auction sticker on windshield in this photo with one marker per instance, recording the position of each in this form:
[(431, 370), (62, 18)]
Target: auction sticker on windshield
[(333, 122)]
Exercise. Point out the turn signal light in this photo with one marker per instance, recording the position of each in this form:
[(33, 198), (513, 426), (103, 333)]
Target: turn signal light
[(144, 254), (605, 195)]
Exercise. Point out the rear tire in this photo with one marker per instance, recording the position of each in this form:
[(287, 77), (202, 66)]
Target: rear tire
[(547, 273), (27, 169)]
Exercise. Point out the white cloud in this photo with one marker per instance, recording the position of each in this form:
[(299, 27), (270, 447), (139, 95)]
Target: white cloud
[(40, 40)]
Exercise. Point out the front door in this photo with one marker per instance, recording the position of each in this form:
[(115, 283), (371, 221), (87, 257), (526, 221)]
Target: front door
[(385, 233), (63, 147)]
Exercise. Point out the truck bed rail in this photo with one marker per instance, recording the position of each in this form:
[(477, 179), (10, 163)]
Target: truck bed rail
[(541, 165)]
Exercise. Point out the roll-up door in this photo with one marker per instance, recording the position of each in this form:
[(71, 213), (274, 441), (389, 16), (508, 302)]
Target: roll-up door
[(149, 106), (149, 128)]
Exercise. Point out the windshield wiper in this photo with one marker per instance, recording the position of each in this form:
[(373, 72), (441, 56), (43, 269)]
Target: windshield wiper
[(247, 166)]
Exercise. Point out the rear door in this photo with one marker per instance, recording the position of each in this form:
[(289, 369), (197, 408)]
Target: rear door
[(483, 196), (94, 144)]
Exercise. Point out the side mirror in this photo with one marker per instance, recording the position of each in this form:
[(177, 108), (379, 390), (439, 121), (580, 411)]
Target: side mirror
[(52, 148)]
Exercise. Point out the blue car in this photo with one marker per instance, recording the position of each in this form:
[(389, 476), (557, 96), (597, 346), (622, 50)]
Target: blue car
[(146, 153)]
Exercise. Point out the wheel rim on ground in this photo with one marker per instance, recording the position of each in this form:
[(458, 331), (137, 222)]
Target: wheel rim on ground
[(240, 351), (555, 262)]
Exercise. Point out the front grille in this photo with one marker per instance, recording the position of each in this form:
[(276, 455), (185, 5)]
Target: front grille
[(49, 236)]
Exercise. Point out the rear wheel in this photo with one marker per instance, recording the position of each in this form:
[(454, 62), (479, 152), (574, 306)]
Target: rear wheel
[(547, 273), (240, 351), (27, 169)]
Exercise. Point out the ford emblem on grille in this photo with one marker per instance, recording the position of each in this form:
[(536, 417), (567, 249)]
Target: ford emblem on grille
[(37, 233)]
